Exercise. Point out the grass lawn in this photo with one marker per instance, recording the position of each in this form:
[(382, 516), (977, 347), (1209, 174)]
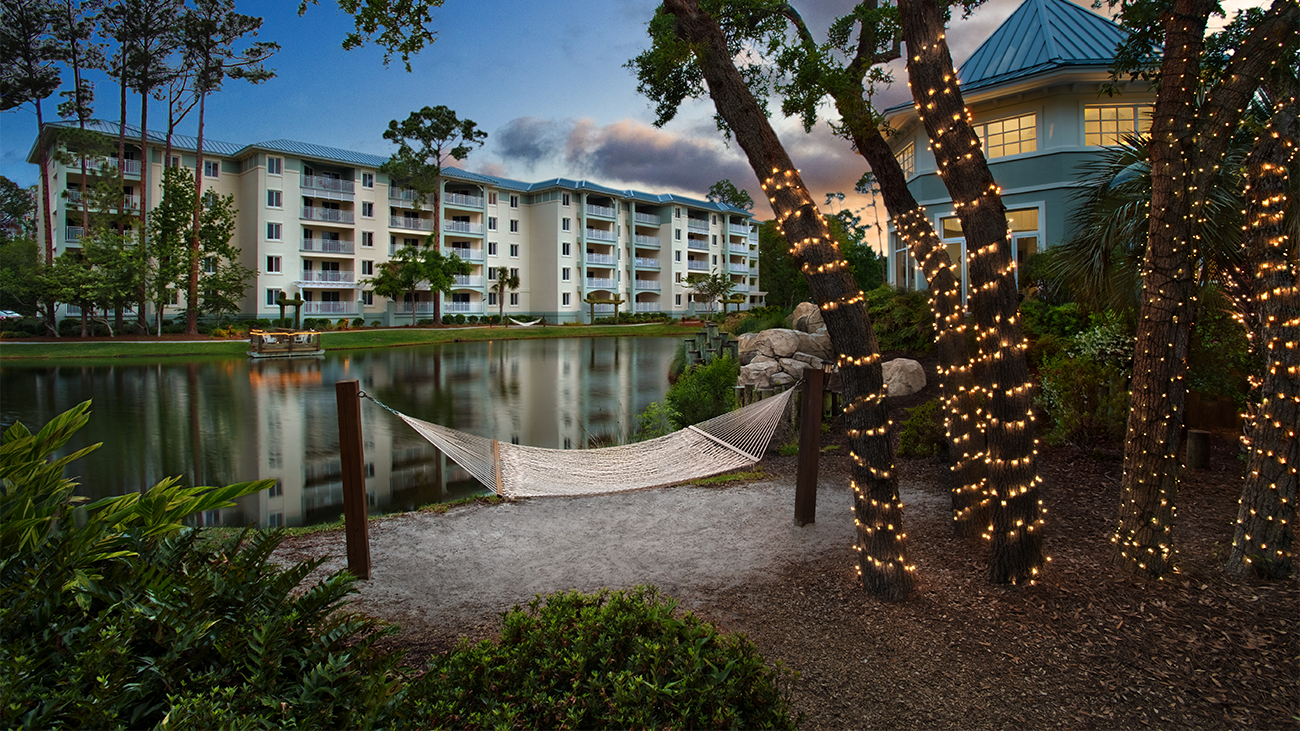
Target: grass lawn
[(74, 348)]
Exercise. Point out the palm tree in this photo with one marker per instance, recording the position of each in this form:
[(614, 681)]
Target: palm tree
[(507, 280)]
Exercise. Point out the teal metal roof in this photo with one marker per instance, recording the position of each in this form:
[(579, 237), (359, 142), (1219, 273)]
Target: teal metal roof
[(1041, 36), (179, 142), (320, 152)]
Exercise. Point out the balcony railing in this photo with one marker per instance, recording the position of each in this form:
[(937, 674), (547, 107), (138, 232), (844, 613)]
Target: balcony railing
[(328, 215), (421, 308), (598, 283), (646, 306), (650, 219), (740, 288), (738, 248), (128, 201), (73, 233), (460, 199), (605, 211), (738, 228), (738, 268), (606, 259), (596, 234), (326, 246), (334, 185), (462, 307), (329, 308), (648, 284), (646, 263), (130, 167), (603, 308), (405, 195), (697, 244), (340, 277), (462, 227), (466, 254), (646, 242), (697, 225), (467, 280), (410, 222), (697, 266)]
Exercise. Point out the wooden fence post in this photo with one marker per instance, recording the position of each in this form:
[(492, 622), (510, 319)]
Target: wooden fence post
[(810, 447), (352, 455)]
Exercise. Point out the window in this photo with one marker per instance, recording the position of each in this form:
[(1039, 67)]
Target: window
[(211, 168), (514, 299), (514, 271), (714, 221), (514, 201), (514, 226), (564, 299), (273, 165), (492, 248), (564, 274), (677, 234), (492, 274), (565, 199), (514, 250), (679, 276), (679, 300), (492, 223), (492, 298), (564, 224), (272, 265), (176, 161), (492, 198), (677, 256), (677, 212), (715, 260), (367, 267), (272, 232), (271, 296), (274, 199), (367, 298), (210, 265), (1009, 136), (367, 180), (367, 210), (906, 158), (566, 249), (368, 239), (1108, 125)]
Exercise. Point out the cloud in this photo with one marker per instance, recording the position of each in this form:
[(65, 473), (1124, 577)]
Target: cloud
[(528, 140)]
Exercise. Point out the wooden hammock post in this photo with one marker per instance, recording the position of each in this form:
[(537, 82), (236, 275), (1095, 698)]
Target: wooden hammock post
[(810, 447), (352, 456)]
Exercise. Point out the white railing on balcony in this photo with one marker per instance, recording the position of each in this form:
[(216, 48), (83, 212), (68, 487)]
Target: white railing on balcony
[(697, 244), (326, 246), (598, 283), (651, 219), (738, 228), (462, 307), (405, 195), (340, 277), (740, 288), (462, 227), (467, 280), (596, 234), (460, 199), (603, 308), (329, 308), (128, 201), (648, 242), (328, 215), (738, 268), (698, 225), (646, 306), (647, 284), (421, 308), (607, 259), (466, 254), (697, 266), (605, 211), (73, 233), (131, 167), (643, 263), (738, 248), (410, 222), (316, 182)]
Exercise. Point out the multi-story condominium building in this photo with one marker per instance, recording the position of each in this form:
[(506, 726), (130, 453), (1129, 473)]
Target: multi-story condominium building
[(1035, 90), (316, 221)]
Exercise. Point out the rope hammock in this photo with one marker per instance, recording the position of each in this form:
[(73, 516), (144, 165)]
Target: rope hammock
[(524, 324), (731, 441)]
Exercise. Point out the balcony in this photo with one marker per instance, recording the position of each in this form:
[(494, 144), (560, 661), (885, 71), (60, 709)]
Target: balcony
[(421, 308), (697, 244), (410, 223), (329, 308), (697, 266), (648, 284), (597, 283), (738, 228), (462, 307), (462, 227), (402, 195), (698, 225), (129, 202), (738, 248), (462, 200), (603, 308), (738, 268), (604, 211), (463, 253), (73, 233), (325, 215), (328, 188), (329, 277), (596, 234), (326, 246), (740, 288), (645, 306), (605, 259), (467, 280), (646, 242), (648, 219), (129, 167), (646, 263)]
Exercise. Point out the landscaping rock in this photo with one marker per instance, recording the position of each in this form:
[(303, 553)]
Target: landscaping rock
[(903, 377), (807, 318)]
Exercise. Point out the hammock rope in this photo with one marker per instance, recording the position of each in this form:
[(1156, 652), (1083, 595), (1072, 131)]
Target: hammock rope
[(727, 442)]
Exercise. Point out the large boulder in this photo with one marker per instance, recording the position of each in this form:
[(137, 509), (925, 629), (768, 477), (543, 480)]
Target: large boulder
[(903, 377), (779, 356), (818, 344), (807, 318)]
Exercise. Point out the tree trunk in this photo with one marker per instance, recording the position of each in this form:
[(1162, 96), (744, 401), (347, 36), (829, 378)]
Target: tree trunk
[(47, 218), (142, 320), (191, 309), (1000, 369), (1265, 533), (877, 509)]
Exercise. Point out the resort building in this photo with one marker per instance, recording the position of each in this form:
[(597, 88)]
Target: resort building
[(316, 221), (1037, 91)]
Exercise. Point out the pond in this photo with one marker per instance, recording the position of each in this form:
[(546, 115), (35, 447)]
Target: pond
[(217, 421)]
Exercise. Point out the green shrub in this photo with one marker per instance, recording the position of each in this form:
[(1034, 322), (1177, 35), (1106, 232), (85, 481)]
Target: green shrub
[(358, 322), (655, 421), (704, 391), (1044, 348), (1040, 319), (376, 323), (342, 324), (309, 323), (1219, 359), (1085, 400), (458, 318), (923, 433), (609, 660), (902, 319), (1109, 343), (446, 319), (754, 322)]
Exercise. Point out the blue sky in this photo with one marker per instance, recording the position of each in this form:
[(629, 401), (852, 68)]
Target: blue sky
[(545, 80)]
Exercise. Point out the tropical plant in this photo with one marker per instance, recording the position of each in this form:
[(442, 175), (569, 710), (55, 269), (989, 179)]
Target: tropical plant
[(704, 391), (507, 280)]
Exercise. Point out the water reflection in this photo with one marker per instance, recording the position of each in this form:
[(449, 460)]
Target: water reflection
[(219, 421)]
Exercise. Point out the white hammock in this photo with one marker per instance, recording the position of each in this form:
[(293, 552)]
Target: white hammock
[(731, 441), (524, 324)]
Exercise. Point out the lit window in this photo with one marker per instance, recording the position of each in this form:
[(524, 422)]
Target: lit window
[(906, 158), (1009, 136), (1108, 125), (273, 165), (274, 199)]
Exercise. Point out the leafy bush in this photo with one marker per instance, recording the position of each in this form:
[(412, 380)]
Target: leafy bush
[(655, 421), (609, 660), (1219, 355), (704, 391), (376, 323), (446, 319), (458, 318), (1085, 400), (923, 433), (310, 323), (262, 322), (358, 322), (21, 327), (1108, 343), (756, 321), (902, 319), (342, 324), (1041, 319), (427, 322)]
